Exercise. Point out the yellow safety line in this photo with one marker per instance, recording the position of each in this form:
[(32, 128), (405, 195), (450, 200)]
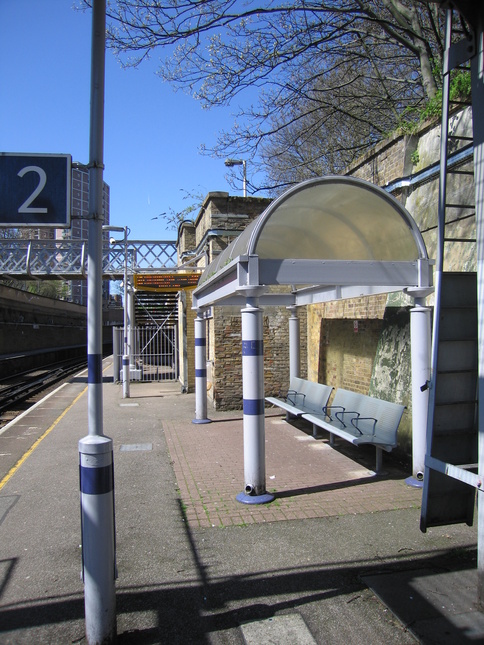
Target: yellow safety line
[(14, 469)]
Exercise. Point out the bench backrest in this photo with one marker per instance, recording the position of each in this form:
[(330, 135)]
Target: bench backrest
[(316, 395), (388, 417), (387, 414), (296, 384), (345, 399)]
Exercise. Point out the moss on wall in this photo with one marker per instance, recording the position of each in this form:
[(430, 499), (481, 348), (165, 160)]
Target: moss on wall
[(391, 378)]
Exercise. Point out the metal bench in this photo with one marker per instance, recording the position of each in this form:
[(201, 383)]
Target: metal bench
[(303, 397), (360, 419)]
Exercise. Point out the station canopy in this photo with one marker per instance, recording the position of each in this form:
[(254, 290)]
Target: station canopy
[(324, 239)]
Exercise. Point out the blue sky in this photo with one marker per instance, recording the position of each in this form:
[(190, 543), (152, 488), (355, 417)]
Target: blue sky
[(152, 134)]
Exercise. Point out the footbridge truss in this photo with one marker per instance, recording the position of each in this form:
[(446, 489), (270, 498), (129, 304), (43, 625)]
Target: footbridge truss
[(68, 259)]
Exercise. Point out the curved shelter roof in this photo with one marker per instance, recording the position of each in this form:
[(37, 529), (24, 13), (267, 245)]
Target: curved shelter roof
[(328, 238)]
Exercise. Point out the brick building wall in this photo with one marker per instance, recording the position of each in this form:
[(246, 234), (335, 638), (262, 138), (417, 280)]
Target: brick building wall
[(220, 220), (376, 359), (225, 354), (362, 344)]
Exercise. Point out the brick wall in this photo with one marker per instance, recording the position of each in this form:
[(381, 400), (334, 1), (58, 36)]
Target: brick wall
[(362, 344), (225, 354), (186, 336)]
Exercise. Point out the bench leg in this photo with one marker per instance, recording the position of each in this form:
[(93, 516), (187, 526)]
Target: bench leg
[(332, 440), (379, 460), (317, 433)]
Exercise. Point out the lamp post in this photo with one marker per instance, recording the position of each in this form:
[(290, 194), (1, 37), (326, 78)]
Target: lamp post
[(125, 231), (239, 162)]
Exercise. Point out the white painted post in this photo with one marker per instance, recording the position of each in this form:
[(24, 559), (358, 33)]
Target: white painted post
[(477, 79), (294, 344), (420, 335), (116, 368), (200, 370), (253, 402), (98, 538), (96, 450), (131, 325)]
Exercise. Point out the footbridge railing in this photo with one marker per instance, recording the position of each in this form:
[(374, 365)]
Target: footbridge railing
[(67, 259)]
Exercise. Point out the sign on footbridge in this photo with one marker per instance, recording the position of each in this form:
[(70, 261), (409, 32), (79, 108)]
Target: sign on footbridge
[(163, 282)]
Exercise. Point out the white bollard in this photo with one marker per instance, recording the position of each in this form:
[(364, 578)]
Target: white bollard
[(96, 481)]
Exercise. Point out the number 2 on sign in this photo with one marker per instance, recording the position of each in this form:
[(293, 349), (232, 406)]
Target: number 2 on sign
[(26, 206)]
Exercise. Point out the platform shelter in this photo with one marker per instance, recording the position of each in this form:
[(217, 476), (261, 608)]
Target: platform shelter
[(323, 240)]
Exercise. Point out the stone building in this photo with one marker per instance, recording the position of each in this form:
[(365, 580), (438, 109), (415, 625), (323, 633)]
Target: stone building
[(221, 219), (362, 344)]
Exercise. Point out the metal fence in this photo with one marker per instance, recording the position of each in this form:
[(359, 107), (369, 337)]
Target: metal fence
[(153, 353)]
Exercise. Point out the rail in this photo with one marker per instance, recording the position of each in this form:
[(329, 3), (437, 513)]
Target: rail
[(26, 385)]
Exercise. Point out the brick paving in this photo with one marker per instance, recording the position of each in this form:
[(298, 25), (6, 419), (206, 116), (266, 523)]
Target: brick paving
[(308, 477)]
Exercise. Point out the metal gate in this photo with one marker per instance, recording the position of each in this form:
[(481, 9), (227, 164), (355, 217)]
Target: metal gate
[(153, 352)]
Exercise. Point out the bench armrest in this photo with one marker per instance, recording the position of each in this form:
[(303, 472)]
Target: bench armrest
[(355, 420), (327, 408), (293, 395), (339, 414)]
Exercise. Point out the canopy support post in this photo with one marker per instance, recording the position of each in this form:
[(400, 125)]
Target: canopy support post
[(200, 369), (294, 344), (420, 343), (253, 404)]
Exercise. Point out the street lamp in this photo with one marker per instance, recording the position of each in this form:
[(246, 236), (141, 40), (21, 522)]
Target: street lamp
[(126, 368), (239, 162)]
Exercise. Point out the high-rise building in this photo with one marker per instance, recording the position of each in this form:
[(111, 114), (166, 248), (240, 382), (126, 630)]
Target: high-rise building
[(80, 226), (76, 289)]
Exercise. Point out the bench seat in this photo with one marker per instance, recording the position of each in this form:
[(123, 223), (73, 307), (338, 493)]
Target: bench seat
[(360, 419), (303, 397)]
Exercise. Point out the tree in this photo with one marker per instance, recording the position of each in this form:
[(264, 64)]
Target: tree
[(333, 76)]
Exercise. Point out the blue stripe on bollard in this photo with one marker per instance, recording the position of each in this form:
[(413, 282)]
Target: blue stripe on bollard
[(200, 373), (254, 406), (252, 348), (94, 368), (96, 481), (200, 342)]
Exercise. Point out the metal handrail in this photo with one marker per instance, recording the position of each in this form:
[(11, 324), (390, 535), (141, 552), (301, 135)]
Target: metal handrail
[(66, 259)]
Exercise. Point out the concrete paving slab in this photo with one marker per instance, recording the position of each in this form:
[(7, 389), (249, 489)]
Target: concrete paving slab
[(437, 606), (289, 628), (195, 566)]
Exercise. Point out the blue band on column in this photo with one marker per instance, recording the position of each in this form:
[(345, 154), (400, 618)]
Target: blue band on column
[(200, 342), (252, 348), (254, 406), (94, 368), (200, 373), (96, 481)]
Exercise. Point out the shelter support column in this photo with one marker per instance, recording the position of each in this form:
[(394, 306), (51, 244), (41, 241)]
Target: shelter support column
[(131, 325), (294, 344), (420, 339), (477, 77), (253, 403), (200, 369)]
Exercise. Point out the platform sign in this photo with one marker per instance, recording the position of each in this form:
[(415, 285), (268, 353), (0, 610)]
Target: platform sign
[(35, 190), (166, 281)]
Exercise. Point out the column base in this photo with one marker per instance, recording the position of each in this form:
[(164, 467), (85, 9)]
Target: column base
[(202, 421), (243, 498), (414, 482)]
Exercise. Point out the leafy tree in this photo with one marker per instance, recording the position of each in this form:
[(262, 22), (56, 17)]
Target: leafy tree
[(333, 75)]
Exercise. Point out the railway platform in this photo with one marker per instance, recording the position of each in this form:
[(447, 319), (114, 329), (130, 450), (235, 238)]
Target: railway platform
[(337, 557)]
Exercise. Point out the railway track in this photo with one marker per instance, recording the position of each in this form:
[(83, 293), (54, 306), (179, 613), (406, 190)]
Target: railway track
[(20, 392)]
